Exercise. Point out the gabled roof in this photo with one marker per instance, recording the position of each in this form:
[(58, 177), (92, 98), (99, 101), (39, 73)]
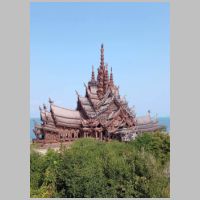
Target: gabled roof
[(84, 100), (92, 95), (86, 105), (66, 117), (100, 103), (65, 113)]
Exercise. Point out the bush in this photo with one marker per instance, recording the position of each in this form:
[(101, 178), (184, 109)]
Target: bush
[(92, 168)]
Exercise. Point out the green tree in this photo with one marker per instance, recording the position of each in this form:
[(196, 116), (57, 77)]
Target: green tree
[(92, 168)]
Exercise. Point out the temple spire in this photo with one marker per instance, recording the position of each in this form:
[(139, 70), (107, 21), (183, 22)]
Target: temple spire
[(106, 79), (102, 57), (93, 75), (111, 78)]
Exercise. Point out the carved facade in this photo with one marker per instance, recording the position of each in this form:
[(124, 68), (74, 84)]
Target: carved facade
[(101, 114)]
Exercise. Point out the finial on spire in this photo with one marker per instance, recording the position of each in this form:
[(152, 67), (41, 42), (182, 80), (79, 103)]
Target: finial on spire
[(102, 57)]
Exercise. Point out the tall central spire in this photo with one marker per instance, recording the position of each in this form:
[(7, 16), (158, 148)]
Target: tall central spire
[(100, 76), (103, 79), (102, 57)]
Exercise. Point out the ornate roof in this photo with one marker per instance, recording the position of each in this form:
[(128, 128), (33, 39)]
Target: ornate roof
[(65, 113), (101, 107)]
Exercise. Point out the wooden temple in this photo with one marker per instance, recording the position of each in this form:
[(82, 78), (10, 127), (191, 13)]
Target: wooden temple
[(101, 114)]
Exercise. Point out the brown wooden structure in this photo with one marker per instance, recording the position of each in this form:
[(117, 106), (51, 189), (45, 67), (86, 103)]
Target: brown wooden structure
[(101, 114)]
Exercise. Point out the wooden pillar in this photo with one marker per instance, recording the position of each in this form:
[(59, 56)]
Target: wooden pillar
[(67, 135), (64, 135), (70, 135), (96, 134), (77, 132)]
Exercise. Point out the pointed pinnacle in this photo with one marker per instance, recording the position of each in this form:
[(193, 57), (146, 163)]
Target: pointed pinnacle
[(85, 85), (77, 93)]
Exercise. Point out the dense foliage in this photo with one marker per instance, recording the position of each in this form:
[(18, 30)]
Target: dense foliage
[(93, 168)]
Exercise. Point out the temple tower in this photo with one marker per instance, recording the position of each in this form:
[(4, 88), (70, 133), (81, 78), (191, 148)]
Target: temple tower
[(111, 83), (106, 80), (93, 76), (100, 76), (102, 57), (92, 82)]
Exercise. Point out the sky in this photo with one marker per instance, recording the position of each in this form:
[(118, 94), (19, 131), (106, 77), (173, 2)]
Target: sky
[(65, 41)]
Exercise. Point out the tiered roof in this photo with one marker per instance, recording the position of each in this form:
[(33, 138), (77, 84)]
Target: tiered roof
[(101, 102), (66, 117)]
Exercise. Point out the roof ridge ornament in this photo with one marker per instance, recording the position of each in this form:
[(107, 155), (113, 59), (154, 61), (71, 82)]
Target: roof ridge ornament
[(77, 93), (50, 101), (44, 106), (85, 85)]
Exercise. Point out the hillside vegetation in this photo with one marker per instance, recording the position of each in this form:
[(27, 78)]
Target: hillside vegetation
[(92, 168)]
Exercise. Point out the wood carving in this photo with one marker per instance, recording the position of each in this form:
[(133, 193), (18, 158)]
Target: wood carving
[(101, 113)]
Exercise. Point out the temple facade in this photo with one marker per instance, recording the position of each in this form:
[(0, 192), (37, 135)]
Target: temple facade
[(101, 114)]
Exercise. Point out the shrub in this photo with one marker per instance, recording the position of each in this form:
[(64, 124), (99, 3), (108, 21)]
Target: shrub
[(92, 168)]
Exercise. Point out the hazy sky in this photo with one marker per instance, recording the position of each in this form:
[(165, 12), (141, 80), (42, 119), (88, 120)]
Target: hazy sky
[(65, 41)]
